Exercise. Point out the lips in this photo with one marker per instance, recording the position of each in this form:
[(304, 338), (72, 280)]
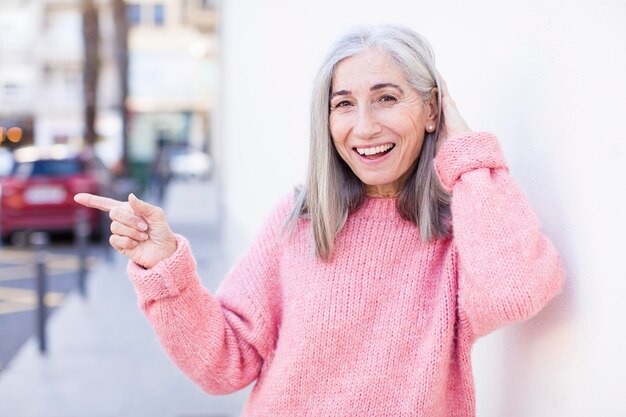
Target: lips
[(371, 153)]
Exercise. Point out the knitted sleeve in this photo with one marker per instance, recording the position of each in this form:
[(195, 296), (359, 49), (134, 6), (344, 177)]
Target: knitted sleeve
[(221, 342), (507, 269)]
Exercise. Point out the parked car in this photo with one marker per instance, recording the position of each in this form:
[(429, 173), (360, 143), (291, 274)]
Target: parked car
[(187, 163), (38, 192)]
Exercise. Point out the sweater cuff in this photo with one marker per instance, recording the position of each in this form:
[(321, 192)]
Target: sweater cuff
[(461, 154), (167, 278)]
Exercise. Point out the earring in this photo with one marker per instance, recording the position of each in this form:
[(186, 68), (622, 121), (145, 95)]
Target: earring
[(430, 128)]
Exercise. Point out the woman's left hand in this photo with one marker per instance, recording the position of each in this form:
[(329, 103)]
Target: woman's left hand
[(452, 122)]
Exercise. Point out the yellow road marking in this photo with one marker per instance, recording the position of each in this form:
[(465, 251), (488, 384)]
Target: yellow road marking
[(21, 295), (9, 308), (55, 266), (13, 300), (22, 256), (11, 256)]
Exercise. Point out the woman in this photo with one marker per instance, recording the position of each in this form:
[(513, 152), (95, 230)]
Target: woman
[(408, 241)]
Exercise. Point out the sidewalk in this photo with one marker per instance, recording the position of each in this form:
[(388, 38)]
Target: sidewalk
[(103, 359)]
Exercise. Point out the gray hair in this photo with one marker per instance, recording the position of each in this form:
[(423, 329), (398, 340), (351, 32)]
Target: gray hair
[(331, 190)]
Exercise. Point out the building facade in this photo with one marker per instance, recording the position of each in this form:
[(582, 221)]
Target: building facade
[(171, 74), (20, 77)]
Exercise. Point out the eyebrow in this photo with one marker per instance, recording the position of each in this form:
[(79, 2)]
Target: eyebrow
[(375, 87)]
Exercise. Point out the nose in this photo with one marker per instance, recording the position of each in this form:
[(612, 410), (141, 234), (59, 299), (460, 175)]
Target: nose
[(366, 125)]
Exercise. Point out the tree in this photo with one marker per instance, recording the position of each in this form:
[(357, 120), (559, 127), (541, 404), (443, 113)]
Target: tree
[(121, 58), (91, 68)]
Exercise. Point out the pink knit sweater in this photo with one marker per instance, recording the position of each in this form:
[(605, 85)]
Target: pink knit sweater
[(385, 328)]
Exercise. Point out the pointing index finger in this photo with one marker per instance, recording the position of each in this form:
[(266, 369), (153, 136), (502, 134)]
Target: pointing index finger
[(96, 201)]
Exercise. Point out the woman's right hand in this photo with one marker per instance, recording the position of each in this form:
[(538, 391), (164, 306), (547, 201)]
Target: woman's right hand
[(138, 230)]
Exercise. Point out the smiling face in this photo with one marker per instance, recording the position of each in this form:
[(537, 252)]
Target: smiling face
[(377, 120)]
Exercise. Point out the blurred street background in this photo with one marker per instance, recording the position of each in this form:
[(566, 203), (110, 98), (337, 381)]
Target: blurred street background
[(202, 106), (108, 97), (102, 357), (126, 78)]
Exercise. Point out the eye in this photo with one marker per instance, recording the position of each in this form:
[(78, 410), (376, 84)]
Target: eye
[(388, 99), (341, 104)]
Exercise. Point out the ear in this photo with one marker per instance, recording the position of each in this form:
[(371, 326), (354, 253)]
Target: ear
[(432, 105)]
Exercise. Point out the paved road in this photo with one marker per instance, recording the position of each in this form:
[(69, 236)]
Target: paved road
[(18, 297)]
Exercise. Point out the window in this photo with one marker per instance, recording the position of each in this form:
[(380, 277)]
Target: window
[(133, 14), (159, 14), (48, 168)]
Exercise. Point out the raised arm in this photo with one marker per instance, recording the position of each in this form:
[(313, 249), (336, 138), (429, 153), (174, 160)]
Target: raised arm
[(507, 269), (220, 342)]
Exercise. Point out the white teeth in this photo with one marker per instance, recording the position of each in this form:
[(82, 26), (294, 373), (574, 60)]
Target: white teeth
[(374, 150)]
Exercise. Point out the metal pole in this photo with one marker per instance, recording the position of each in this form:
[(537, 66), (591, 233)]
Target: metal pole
[(81, 235), (39, 241), (1, 240)]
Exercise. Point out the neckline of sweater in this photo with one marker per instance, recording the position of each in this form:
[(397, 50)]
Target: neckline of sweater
[(378, 208)]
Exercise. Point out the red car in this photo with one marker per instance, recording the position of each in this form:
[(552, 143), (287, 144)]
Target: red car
[(38, 193)]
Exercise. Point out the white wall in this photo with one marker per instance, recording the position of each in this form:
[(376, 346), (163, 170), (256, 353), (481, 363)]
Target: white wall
[(549, 79)]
